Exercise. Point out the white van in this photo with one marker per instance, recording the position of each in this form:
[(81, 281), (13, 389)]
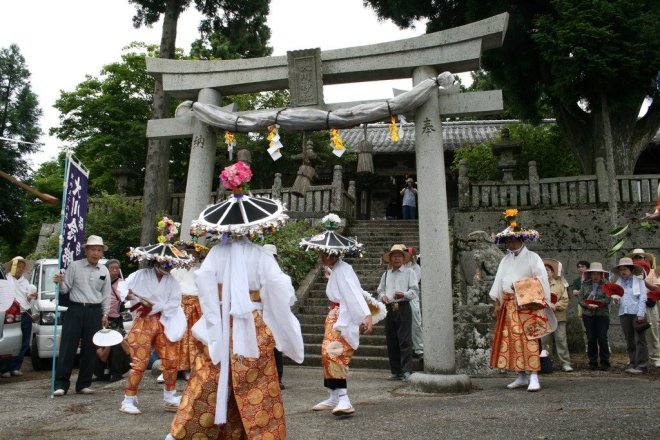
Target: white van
[(43, 307)]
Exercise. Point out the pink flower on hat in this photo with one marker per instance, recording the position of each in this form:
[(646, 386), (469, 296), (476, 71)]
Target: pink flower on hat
[(236, 176)]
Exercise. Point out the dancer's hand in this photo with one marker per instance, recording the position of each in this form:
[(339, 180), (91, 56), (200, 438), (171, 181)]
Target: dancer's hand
[(367, 326)]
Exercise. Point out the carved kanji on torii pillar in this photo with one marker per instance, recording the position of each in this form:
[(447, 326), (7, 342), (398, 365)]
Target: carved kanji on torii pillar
[(305, 72)]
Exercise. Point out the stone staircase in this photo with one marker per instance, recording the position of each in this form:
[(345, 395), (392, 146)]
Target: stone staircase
[(377, 236)]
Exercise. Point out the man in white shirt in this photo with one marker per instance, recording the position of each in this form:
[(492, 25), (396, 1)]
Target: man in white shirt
[(24, 294), (398, 286), (87, 282)]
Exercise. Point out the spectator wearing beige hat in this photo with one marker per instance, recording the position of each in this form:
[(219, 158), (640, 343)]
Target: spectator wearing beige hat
[(652, 282), (397, 287), (596, 315), (88, 285), (632, 314), (24, 294)]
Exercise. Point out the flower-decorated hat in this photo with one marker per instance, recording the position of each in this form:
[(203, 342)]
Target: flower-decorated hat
[(163, 252), (330, 242), (240, 215), (513, 229)]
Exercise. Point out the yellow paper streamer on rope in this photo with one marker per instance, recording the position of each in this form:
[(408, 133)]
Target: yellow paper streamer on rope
[(337, 143), (394, 130), (230, 140), (274, 142)]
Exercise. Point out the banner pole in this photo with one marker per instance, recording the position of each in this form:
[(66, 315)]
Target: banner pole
[(59, 265)]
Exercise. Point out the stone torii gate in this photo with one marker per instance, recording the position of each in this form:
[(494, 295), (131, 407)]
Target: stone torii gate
[(304, 73)]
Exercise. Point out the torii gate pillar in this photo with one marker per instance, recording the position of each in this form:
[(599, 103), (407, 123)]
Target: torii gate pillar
[(200, 168), (439, 358)]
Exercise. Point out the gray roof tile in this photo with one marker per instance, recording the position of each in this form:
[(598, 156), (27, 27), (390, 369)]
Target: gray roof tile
[(454, 134)]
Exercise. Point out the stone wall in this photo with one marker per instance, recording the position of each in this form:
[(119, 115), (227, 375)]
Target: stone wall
[(569, 234)]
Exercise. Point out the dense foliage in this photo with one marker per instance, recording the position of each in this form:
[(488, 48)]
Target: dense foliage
[(19, 121), (593, 62)]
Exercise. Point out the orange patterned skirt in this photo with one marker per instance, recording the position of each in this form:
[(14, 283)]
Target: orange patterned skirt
[(188, 345), (255, 409), (336, 354), (147, 333), (511, 350)]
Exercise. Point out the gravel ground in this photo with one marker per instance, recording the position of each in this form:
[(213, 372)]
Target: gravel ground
[(582, 404)]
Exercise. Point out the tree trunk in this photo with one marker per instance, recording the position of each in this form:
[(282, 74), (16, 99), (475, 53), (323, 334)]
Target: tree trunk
[(612, 186), (584, 132), (156, 195)]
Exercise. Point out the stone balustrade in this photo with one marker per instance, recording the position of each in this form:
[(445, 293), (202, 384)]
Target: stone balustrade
[(556, 191)]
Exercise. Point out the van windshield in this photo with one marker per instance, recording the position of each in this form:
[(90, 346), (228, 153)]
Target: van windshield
[(47, 284)]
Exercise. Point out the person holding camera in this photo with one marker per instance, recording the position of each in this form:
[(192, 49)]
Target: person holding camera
[(409, 202)]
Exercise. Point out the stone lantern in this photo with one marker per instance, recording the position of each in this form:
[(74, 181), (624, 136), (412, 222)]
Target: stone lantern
[(506, 149)]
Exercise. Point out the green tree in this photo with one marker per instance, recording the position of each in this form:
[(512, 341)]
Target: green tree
[(47, 179), (235, 34), (103, 120), (148, 12), (116, 218), (595, 61), (19, 129)]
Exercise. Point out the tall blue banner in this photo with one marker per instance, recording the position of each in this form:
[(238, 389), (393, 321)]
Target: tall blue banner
[(74, 212), (72, 233)]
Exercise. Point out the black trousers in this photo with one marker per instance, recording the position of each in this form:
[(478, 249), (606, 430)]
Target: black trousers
[(118, 363), (279, 362), (79, 324), (398, 331)]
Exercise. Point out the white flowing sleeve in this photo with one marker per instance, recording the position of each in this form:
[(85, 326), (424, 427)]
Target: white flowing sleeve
[(538, 271), (496, 289), (172, 316), (208, 329), (353, 310), (277, 296)]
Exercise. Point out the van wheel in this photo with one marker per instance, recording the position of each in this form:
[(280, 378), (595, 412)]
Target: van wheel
[(38, 363)]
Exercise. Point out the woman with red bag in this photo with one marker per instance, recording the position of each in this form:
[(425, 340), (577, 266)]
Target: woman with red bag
[(595, 305)]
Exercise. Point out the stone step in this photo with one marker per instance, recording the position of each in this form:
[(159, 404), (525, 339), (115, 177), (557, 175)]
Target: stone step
[(358, 361), (311, 324), (363, 350), (378, 237), (317, 338)]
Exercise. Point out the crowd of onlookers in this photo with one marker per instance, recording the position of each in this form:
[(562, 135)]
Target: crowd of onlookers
[(631, 287)]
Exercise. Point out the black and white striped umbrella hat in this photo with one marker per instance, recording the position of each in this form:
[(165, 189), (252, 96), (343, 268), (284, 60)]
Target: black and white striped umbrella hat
[(330, 242), (163, 253), (240, 215)]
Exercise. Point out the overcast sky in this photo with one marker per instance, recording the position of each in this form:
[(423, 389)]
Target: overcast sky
[(64, 40)]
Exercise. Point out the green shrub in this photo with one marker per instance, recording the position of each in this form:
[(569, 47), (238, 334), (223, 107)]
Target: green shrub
[(294, 261), (541, 143), (116, 218)]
